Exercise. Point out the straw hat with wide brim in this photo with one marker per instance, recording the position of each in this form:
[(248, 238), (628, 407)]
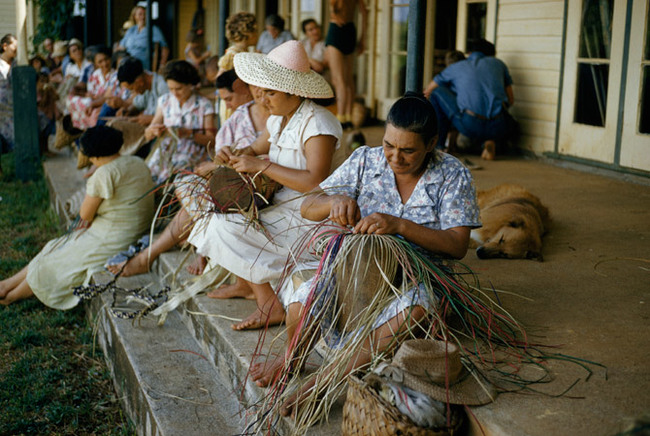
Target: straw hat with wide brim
[(285, 68), (435, 369)]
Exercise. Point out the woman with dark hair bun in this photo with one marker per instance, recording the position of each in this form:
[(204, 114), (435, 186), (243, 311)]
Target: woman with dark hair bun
[(190, 115), (404, 188), (114, 213)]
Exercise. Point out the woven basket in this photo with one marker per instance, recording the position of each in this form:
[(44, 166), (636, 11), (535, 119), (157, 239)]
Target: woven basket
[(233, 193), (365, 413)]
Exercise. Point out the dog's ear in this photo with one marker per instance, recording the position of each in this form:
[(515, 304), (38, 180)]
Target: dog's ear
[(516, 223)]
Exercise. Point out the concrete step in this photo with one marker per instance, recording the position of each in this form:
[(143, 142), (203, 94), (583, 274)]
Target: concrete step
[(190, 372), (165, 382), (231, 351)]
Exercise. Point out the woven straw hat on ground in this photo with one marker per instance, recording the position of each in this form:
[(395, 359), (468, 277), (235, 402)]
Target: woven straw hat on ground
[(434, 368), (285, 68)]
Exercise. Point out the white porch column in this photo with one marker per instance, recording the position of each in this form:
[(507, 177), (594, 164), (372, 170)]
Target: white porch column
[(21, 32)]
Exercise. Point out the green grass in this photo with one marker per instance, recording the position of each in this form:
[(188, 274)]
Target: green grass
[(52, 379)]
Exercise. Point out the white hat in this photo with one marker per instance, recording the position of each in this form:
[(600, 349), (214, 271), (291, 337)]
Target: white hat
[(285, 68)]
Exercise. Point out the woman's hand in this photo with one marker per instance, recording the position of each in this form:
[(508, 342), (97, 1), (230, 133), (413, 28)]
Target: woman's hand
[(378, 224), (223, 155), (248, 164), (153, 131), (205, 168), (344, 210)]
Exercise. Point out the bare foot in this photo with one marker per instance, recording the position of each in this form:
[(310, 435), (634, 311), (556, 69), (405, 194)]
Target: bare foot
[(489, 150), (294, 401), (197, 266), (262, 318), (137, 265), (4, 290), (237, 290), (263, 374)]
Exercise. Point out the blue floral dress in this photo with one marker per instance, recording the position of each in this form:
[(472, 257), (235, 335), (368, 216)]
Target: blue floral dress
[(443, 198)]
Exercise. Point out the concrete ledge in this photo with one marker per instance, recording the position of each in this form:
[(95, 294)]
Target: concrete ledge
[(165, 383)]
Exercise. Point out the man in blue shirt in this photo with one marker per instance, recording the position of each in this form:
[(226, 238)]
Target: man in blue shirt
[(473, 95)]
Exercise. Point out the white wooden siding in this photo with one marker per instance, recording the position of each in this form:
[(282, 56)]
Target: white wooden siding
[(7, 17), (529, 41)]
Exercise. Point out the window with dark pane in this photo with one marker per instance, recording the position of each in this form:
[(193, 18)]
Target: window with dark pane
[(476, 20), (593, 62)]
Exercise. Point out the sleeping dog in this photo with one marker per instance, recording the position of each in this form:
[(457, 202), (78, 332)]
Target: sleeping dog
[(514, 221)]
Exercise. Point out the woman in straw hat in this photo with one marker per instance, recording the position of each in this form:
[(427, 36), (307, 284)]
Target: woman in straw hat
[(300, 139)]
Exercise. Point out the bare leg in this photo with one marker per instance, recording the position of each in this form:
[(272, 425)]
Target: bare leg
[(174, 233), (489, 150), (269, 309), (265, 373), (9, 284), (338, 68), (198, 265), (348, 73), (385, 336), (20, 292), (239, 289)]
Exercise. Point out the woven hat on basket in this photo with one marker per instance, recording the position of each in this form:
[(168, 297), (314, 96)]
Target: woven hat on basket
[(285, 68), (435, 369)]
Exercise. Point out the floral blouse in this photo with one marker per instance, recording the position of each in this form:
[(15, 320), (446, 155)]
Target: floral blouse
[(240, 126), (172, 155), (76, 105), (98, 83), (443, 198)]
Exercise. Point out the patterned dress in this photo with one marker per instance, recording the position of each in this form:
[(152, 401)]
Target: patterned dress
[(443, 198), (171, 155), (98, 84)]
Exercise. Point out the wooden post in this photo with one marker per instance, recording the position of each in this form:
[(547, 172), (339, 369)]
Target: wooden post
[(224, 6), (26, 128), (415, 45)]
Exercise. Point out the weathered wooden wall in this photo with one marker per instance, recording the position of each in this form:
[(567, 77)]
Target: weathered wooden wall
[(529, 41), (7, 17)]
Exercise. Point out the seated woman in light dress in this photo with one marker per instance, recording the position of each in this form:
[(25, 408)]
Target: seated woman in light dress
[(300, 139), (115, 212), (403, 188), (189, 114), (245, 125)]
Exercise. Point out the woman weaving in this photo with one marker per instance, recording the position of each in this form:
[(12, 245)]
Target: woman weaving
[(300, 139), (403, 188)]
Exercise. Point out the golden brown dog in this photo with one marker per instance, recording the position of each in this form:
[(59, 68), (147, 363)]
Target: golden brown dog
[(514, 221)]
